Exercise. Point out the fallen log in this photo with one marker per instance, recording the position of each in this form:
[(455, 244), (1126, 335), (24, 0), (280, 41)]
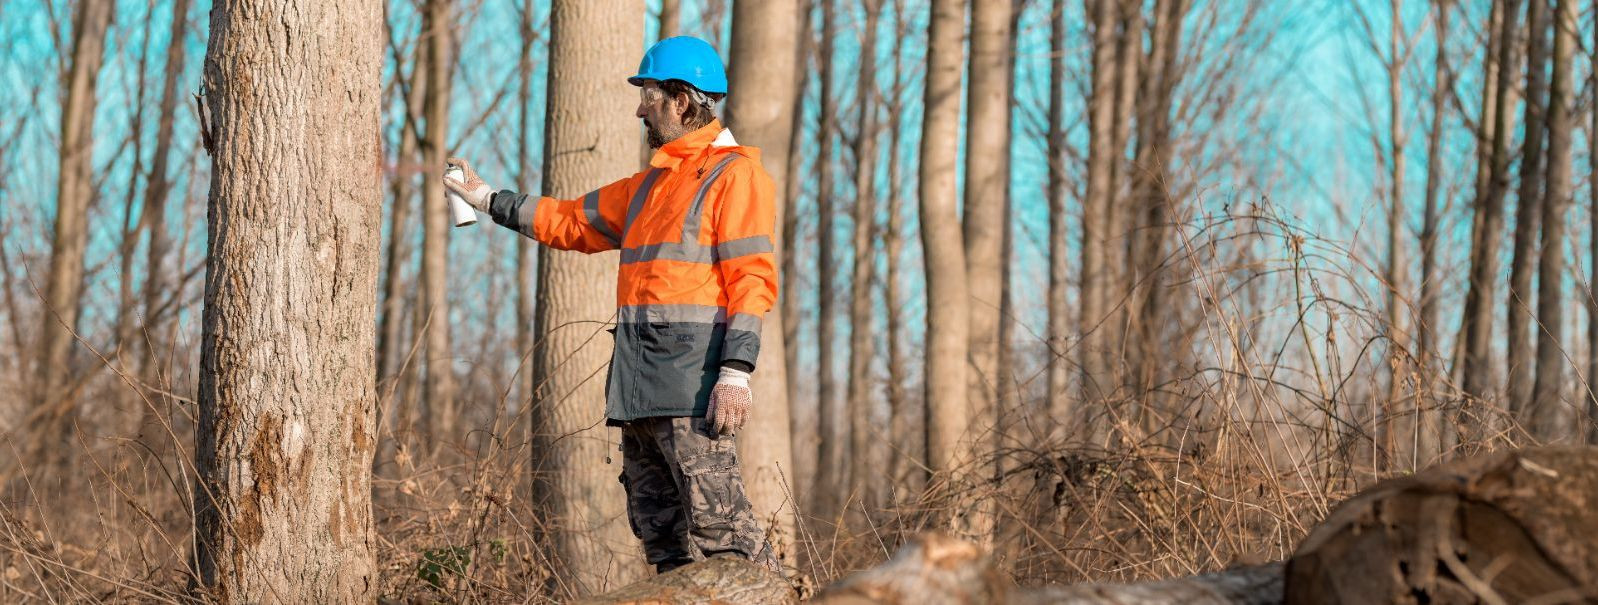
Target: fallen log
[(1508, 527), (723, 580)]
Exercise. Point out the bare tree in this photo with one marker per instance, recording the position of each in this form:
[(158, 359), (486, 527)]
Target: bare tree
[(391, 348), (1592, 214), (74, 193), (1548, 416), (526, 303), (1528, 211), (158, 187), (1429, 422), (948, 416), (287, 395), (832, 475), (1477, 322), (862, 334), (1096, 219), (438, 397), (765, 41), (1059, 399), (805, 418), (588, 141), (987, 182), (907, 439)]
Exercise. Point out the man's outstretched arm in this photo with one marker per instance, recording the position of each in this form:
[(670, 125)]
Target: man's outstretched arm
[(588, 224)]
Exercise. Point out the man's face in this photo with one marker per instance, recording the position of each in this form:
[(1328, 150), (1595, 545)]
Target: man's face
[(662, 114)]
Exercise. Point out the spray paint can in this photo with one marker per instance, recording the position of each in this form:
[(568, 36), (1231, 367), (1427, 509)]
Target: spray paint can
[(460, 211)]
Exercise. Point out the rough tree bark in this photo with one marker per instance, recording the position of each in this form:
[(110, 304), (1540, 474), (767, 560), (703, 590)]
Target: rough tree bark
[(948, 415), (588, 141), (1429, 420), (862, 333), (1477, 322), (438, 396), (832, 476), (287, 394), (1058, 397), (1548, 416), (74, 192), (987, 181), (765, 40), (1528, 209)]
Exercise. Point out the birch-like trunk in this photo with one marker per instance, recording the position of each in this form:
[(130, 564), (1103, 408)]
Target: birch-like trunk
[(287, 395), (590, 138)]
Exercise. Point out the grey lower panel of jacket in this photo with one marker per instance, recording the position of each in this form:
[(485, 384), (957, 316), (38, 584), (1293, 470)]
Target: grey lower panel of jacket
[(663, 369)]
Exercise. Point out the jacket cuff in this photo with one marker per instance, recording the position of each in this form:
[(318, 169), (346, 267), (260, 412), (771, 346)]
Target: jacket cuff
[(741, 343), (504, 206)]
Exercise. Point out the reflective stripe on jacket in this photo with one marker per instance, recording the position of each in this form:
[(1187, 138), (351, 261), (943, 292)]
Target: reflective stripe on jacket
[(698, 269)]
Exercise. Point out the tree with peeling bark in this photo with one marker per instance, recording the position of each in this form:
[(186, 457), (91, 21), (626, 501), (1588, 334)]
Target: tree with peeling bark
[(765, 40), (75, 192), (862, 333), (588, 139), (1528, 209), (948, 415), (438, 393), (1549, 417), (287, 395)]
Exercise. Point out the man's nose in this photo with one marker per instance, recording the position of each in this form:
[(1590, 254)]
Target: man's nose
[(639, 113)]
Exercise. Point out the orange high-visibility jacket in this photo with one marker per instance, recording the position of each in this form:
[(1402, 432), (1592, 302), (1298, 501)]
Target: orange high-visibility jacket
[(698, 269)]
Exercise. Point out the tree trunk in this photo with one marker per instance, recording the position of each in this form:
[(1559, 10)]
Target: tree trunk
[(287, 395), (1549, 417), (1059, 399), (907, 432), (804, 416), (391, 347), (1429, 421), (1528, 210), (1094, 344), (670, 18), (948, 416), (1592, 215), (526, 261), (862, 332), (588, 142), (832, 478), (1398, 423), (1477, 324), (1118, 322), (765, 40), (438, 397), (156, 189), (987, 181), (74, 192)]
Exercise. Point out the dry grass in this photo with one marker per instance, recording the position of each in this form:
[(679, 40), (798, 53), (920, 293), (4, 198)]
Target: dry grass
[(1264, 414)]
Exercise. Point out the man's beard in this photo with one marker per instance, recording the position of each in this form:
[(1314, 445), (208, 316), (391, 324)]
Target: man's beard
[(658, 138)]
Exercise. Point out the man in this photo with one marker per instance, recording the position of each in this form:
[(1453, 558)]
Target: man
[(697, 274)]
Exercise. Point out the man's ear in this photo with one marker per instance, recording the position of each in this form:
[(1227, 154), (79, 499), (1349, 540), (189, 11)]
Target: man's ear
[(679, 106)]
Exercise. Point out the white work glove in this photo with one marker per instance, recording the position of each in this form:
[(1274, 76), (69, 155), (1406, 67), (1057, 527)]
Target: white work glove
[(729, 401), (472, 189)]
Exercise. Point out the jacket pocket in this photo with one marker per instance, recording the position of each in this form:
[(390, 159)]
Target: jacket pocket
[(677, 365)]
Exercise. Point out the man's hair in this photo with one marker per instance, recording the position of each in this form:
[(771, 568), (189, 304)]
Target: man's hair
[(701, 105)]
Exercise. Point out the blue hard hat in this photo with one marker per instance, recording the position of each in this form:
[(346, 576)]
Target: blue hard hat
[(683, 58)]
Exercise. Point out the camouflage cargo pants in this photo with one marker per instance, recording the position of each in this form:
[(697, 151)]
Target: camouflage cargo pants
[(685, 494)]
